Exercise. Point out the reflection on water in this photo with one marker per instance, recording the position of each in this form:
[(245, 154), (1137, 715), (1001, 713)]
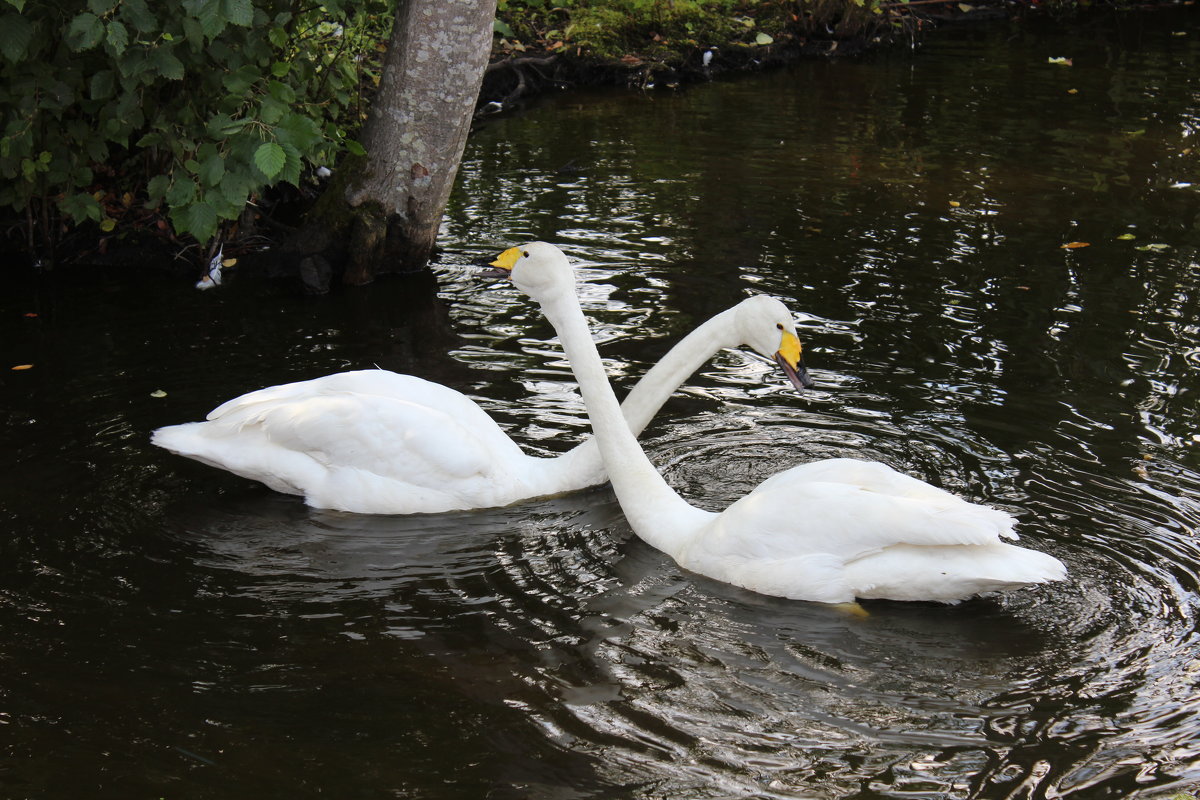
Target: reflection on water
[(171, 630)]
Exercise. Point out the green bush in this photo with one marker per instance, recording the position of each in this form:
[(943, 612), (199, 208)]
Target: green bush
[(188, 106)]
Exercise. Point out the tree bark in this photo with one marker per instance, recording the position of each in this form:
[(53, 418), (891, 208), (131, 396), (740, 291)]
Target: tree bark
[(416, 132)]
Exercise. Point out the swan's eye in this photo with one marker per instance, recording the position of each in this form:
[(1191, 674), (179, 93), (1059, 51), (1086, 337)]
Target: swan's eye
[(526, 254), (779, 325)]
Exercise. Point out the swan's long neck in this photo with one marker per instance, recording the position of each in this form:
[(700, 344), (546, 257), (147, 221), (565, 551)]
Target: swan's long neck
[(681, 361), (649, 394), (654, 510)]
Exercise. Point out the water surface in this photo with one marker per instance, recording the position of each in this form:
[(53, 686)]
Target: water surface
[(174, 631)]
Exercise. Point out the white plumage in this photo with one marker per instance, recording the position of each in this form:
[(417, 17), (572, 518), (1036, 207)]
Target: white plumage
[(378, 442), (829, 531)]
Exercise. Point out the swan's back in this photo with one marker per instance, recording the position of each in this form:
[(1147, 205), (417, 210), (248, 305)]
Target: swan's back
[(841, 529), (370, 441)]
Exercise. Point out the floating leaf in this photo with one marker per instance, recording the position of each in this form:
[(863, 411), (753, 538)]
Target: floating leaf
[(955, 204), (1072, 91), (229, 262), (1125, 237), (20, 367), (1076, 245), (158, 393), (107, 224), (763, 38), (1065, 62), (1153, 248)]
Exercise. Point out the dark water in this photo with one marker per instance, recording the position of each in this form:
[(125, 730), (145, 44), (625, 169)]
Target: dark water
[(172, 631)]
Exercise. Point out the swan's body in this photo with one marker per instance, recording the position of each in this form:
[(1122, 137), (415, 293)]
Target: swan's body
[(829, 531), (378, 442)]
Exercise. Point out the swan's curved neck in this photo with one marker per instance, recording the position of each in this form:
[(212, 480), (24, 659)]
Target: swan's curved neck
[(655, 511), (650, 393), (681, 361)]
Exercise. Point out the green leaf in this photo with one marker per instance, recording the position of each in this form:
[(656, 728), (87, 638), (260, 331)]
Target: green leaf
[(281, 91), (167, 63), (355, 148), (235, 189), (199, 219), (299, 130), (85, 31), (80, 206), (212, 169), (19, 5), (208, 12), (223, 125), (99, 7), (240, 81), (270, 158), (293, 165), (763, 39), (193, 33), (118, 37), (102, 84), (502, 28), (137, 14), (182, 192), (280, 68), (238, 12), (157, 188), (279, 37), (271, 110), (15, 34)]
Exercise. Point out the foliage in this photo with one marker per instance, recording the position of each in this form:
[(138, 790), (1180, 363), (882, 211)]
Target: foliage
[(192, 107), (666, 29)]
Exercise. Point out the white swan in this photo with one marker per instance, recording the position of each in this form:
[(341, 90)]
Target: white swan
[(829, 531), (378, 442)]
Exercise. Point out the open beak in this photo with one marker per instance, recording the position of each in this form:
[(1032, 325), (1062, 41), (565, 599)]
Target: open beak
[(791, 360), (502, 266)]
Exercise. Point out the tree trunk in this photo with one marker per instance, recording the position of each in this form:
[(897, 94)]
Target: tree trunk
[(416, 133)]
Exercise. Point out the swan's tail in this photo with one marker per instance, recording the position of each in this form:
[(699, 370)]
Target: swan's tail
[(179, 439), (949, 574)]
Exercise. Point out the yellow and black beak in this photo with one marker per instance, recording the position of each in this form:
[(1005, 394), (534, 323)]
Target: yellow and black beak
[(790, 358), (502, 266)]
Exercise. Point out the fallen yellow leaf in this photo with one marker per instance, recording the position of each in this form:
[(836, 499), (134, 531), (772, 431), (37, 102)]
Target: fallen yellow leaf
[(1075, 245), (158, 393), (955, 204), (1125, 237), (19, 367)]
